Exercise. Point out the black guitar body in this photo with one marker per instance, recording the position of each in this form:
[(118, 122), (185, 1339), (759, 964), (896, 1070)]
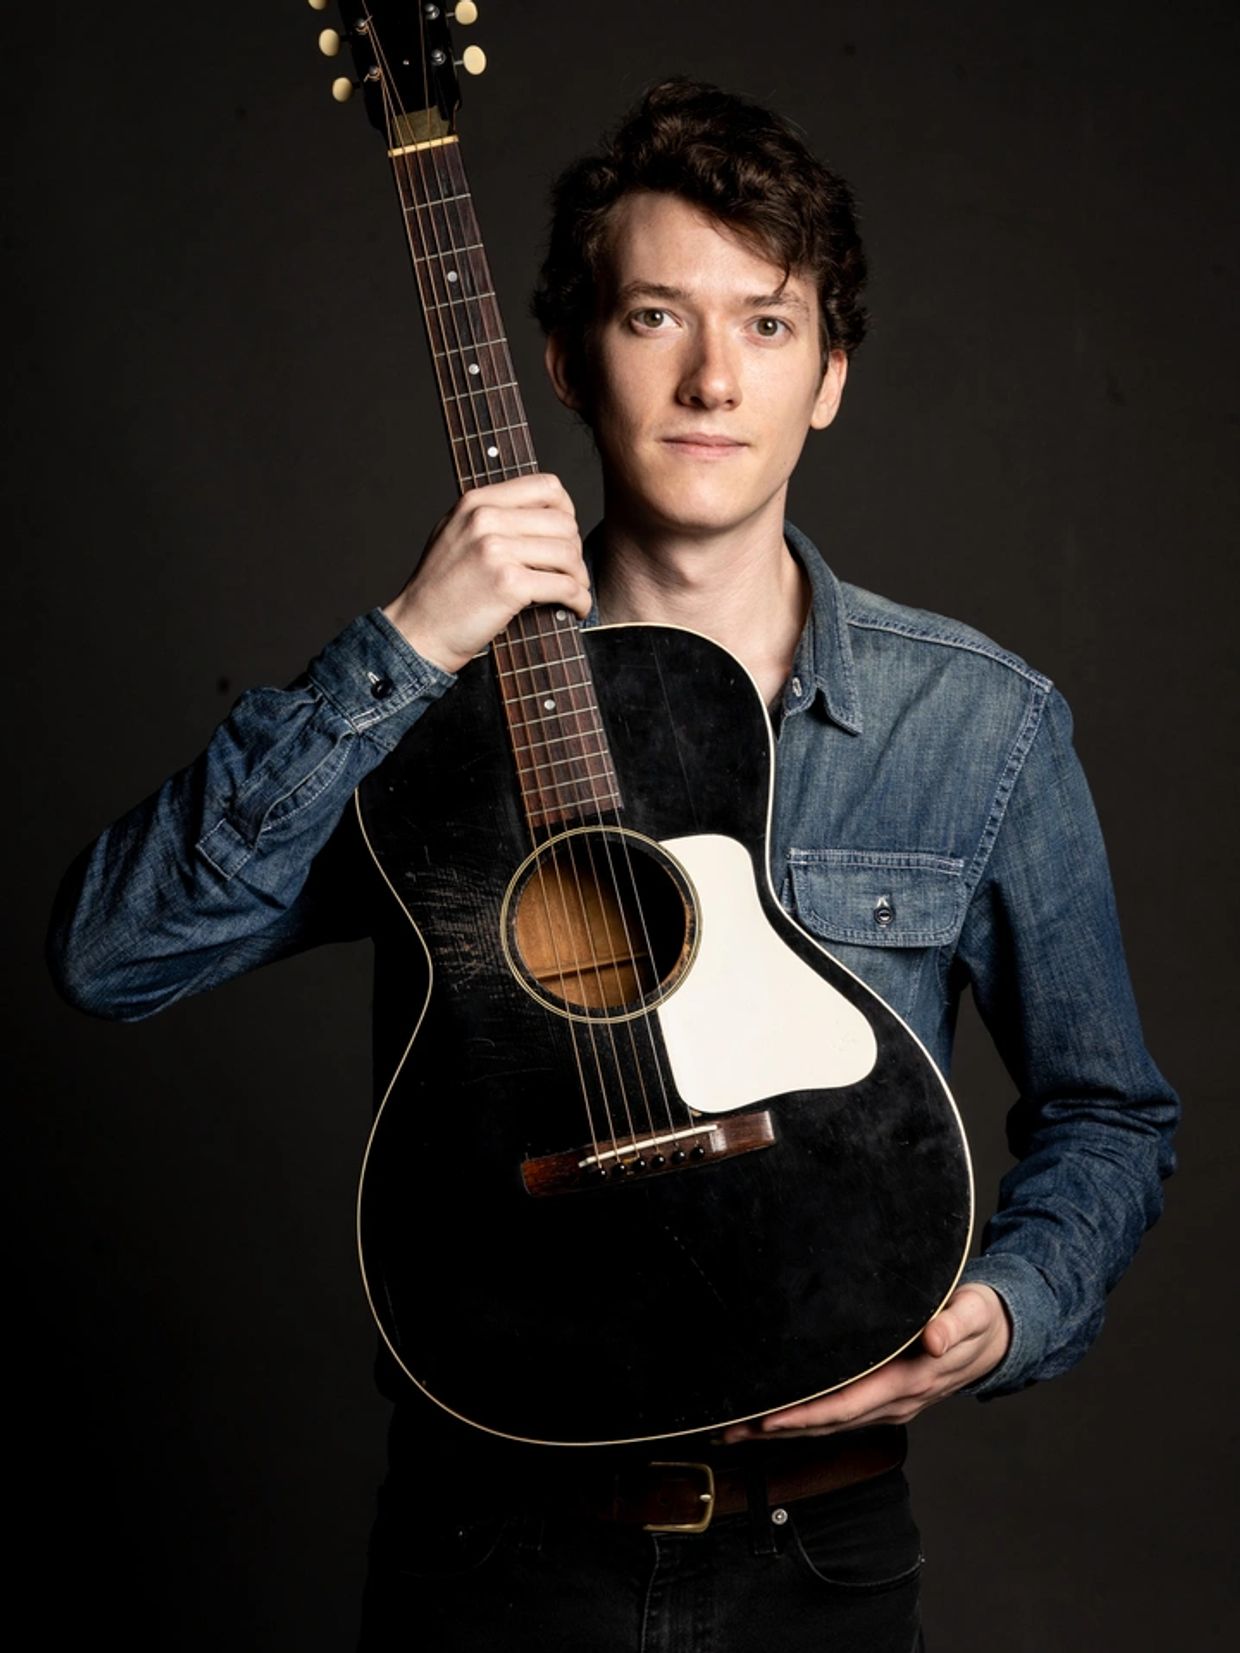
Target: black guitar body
[(633, 1305)]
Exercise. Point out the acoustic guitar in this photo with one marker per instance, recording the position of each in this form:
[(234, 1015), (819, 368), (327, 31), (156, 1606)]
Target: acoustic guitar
[(650, 1161)]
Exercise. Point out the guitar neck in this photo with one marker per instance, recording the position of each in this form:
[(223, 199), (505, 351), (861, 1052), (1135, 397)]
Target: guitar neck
[(563, 763), (488, 434)]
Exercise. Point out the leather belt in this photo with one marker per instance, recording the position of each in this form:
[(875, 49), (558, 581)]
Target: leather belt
[(685, 1495)]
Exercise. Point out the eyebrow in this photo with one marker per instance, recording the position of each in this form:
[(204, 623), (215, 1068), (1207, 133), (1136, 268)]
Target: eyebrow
[(681, 295)]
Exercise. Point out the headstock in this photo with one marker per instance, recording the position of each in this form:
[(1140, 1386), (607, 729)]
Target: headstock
[(403, 63)]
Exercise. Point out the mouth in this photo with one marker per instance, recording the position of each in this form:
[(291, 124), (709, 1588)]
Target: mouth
[(703, 445)]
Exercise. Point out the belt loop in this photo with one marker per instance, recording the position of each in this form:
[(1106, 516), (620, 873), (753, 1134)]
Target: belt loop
[(761, 1531)]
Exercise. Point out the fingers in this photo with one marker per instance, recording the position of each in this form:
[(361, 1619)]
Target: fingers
[(962, 1343), (974, 1311), (501, 548), (875, 1398)]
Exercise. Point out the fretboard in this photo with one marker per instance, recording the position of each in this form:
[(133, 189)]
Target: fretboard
[(563, 764)]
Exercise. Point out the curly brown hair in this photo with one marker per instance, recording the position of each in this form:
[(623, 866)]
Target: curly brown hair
[(745, 166)]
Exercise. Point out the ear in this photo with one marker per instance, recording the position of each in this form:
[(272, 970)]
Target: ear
[(560, 363), (827, 402)]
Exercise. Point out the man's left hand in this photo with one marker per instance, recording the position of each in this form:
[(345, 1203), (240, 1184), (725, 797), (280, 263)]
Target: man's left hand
[(965, 1340)]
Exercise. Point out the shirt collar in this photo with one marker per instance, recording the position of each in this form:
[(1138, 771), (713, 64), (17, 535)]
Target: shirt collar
[(823, 662), (824, 657)]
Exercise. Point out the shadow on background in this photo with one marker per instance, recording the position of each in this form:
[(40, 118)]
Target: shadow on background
[(224, 447)]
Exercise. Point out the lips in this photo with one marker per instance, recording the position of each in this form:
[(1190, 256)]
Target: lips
[(704, 444)]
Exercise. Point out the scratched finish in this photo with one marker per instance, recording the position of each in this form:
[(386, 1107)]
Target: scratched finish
[(640, 1309)]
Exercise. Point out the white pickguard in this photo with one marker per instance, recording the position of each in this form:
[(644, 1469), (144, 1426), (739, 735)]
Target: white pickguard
[(751, 1019)]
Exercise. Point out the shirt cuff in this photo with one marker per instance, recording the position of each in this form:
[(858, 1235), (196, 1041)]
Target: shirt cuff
[(375, 679), (1032, 1310)]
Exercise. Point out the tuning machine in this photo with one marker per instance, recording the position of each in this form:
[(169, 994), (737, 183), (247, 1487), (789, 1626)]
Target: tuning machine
[(473, 59)]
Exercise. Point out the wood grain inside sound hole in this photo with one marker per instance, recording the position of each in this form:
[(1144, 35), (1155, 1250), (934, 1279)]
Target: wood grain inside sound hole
[(584, 940)]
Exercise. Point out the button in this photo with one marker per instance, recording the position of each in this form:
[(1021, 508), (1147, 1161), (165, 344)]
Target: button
[(884, 912), (779, 1517), (381, 687), (796, 687)]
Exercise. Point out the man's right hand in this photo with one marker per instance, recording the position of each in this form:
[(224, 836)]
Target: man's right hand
[(499, 549)]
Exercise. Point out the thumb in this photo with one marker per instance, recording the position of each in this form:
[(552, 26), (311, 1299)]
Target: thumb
[(940, 1335)]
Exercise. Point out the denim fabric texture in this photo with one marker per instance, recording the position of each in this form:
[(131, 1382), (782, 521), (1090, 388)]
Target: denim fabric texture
[(932, 828)]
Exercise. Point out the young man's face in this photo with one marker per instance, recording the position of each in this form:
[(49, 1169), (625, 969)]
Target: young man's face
[(705, 372)]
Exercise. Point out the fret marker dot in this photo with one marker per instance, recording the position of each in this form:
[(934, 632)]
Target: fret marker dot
[(452, 276), (492, 453), (548, 705), (474, 368), (560, 614)]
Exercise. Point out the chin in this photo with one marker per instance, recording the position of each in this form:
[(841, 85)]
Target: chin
[(687, 509)]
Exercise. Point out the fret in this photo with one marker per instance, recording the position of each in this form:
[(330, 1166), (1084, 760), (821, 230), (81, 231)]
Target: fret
[(496, 430), (537, 665), (462, 299), (548, 807), (561, 625), (572, 809), (425, 206), (470, 247), (550, 694), (492, 449), (463, 395), (556, 740), (585, 757), (509, 467), (475, 344)]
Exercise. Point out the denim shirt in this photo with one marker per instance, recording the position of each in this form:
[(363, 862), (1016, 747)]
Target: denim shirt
[(932, 829)]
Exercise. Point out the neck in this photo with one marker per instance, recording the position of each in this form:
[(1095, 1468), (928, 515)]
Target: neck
[(742, 587)]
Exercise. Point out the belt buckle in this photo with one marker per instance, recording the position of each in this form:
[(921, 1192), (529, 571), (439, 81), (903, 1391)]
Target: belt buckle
[(707, 1498)]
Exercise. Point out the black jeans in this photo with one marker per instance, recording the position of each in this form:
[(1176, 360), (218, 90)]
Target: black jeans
[(838, 1575)]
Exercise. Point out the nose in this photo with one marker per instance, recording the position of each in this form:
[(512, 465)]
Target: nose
[(710, 379)]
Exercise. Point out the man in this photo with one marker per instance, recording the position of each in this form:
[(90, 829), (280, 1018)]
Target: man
[(932, 828)]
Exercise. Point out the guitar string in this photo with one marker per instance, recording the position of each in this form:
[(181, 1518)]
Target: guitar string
[(518, 427), (514, 646), (466, 234), (455, 166), (557, 635), (465, 471), (464, 464)]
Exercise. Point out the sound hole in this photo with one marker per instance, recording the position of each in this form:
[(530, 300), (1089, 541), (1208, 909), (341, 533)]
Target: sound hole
[(601, 922)]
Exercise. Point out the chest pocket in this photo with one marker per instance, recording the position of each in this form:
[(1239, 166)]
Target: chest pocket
[(881, 913)]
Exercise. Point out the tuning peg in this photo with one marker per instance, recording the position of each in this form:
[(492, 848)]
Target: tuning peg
[(343, 89), (318, 5), (473, 60), (330, 42), (465, 13)]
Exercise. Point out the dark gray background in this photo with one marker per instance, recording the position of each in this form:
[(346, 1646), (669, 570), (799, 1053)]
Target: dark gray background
[(224, 447)]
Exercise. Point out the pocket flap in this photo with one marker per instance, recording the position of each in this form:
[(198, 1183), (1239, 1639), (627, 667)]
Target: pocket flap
[(878, 898)]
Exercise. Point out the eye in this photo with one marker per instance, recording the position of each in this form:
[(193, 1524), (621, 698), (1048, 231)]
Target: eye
[(770, 327), (651, 318)]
